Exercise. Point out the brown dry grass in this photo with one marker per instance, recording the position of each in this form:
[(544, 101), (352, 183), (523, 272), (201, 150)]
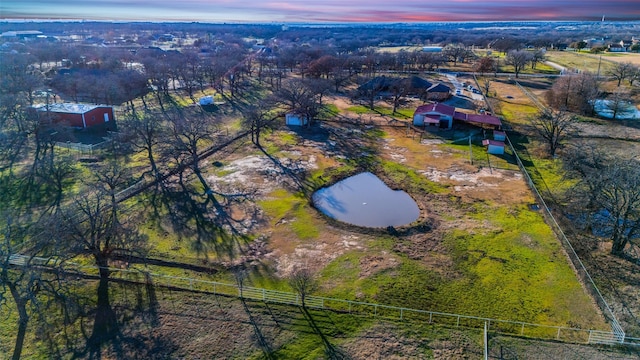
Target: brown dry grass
[(633, 58)]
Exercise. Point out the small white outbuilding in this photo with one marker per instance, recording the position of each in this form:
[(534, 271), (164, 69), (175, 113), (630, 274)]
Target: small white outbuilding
[(296, 120), (494, 147), (206, 100)]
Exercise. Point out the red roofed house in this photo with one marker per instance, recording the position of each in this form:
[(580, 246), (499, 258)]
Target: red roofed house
[(435, 114), (494, 146), (81, 116)]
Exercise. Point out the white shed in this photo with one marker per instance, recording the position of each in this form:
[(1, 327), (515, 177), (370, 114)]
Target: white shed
[(206, 100), (296, 120), (494, 147)]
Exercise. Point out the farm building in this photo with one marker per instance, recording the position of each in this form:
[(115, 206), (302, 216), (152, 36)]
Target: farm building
[(499, 135), (493, 146), (482, 120), (80, 116), (438, 114), (435, 114), (385, 86), (296, 119)]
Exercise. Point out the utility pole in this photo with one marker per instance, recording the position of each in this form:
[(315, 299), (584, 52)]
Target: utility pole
[(486, 342), (470, 150)]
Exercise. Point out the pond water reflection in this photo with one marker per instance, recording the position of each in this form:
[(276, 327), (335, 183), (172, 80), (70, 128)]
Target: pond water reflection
[(365, 200)]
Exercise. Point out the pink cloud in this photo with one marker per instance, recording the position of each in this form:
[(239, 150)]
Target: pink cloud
[(330, 10)]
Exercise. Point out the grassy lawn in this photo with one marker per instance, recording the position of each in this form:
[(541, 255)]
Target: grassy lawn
[(471, 255), (504, 263), (580, 61), (403, 113)]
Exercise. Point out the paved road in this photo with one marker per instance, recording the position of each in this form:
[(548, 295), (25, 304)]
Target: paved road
[(556, 66), (460, 86)]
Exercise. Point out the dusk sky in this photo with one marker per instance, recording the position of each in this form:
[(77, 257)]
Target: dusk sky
[(321, 11)]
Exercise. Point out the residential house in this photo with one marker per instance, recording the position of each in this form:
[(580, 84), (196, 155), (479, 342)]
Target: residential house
[(438, 92)]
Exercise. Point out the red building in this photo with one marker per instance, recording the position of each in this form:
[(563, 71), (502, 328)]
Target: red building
[(80, 116)]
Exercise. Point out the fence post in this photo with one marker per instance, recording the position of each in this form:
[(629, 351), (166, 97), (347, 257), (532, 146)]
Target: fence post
[(264, 297), (558, 336), (430, 317), (458, 322), (191, 284), (400, 313), (522, 329)]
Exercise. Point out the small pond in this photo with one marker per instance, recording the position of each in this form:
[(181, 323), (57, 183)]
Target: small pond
[(364, 200), (626, 111)]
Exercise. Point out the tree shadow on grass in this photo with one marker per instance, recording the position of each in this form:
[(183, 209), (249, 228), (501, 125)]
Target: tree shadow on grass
[(206, 220), (261, 339), (117, 327), (331, 351)]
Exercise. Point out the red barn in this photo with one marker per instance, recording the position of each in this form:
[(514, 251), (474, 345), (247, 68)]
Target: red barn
[(82, 116)]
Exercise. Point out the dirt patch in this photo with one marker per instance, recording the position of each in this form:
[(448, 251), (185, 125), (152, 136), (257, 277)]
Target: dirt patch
[(260, 173), (372, 264), (381, 342)]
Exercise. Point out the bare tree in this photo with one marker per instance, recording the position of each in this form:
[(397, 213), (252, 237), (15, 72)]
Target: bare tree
[(619, 103), (20, 282), (622, 71), (256, 119), (538, 56), (457, 53), (399, 90), (191, 130), (93, 227), (297, 97), (608, 189), (518, 59), (145, 131), (484, 64), (303, 282), (486, 86), (576, 92), (553, 126)]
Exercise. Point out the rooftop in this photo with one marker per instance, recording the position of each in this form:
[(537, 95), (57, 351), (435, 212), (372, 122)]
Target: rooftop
[(487, 142), (68, 108), (436, 108), (484, 119)]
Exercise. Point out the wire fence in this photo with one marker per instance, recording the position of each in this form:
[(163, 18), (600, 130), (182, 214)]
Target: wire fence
[(618, 332), (506, 327), (617, 335), (84, 148)]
